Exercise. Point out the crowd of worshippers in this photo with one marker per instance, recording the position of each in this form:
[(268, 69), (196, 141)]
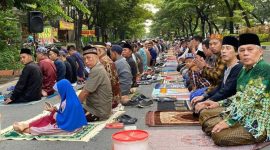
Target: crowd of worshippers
[(228, 79), (229, 83), (112, 70)]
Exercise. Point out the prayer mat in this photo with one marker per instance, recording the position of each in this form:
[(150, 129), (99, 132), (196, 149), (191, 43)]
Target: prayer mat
[(169, 69), (78, 87), (170, 118), (175, 105), (173, 78), (179, 94), (84, 134), (194, 139)]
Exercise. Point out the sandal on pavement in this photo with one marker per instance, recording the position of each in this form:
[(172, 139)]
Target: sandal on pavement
[(145, 103), (126, 119)]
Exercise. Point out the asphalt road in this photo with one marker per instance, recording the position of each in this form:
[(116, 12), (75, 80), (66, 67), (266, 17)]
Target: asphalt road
[(102, 141)]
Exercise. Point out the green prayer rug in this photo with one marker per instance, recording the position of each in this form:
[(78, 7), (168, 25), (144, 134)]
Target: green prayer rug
[(81, 135), (84, 134)]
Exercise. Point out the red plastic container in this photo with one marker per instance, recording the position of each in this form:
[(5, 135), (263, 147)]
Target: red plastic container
[(130, 140)]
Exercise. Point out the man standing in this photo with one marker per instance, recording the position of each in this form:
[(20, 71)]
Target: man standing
[(112, 73), (48, 70), (28, 88), (123, 69), (97, 91)]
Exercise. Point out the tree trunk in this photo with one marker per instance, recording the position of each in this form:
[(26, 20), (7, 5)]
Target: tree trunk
[(231, 14), (97, 20), (202, 17), (215, 26), (190, 25), (203, 27), (78, 30), (183, 30), (196, 24), (209, 27), (256, 17), (245, 15), (224, 27)]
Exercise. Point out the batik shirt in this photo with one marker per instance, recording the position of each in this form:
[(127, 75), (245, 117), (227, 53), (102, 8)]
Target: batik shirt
[(250, 106), (196, 80), (112, 73), (211, 60), (214, 75)]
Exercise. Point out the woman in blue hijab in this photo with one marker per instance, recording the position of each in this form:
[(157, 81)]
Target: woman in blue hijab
[(68, 118)]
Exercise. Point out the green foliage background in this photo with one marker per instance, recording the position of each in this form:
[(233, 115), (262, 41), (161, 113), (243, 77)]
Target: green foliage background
[(9, 41)]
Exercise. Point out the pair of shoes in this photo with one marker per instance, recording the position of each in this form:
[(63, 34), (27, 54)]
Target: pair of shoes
[(141, 96), (126, 119), (131, 103), (138, 97), (159, 64), (145, 103), (135, 100), (166, 99)]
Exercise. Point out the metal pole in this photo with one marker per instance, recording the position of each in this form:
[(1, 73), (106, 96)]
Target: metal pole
[(34, 44)]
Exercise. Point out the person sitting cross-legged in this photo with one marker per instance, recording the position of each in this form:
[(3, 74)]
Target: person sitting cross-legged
[(112, 73), (28, 88), (227, 87), (246, 119), (123, 69), (97, 92), (68, 118), (48, 70)]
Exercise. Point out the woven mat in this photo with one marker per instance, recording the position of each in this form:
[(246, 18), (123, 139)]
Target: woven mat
[(170, 118)]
